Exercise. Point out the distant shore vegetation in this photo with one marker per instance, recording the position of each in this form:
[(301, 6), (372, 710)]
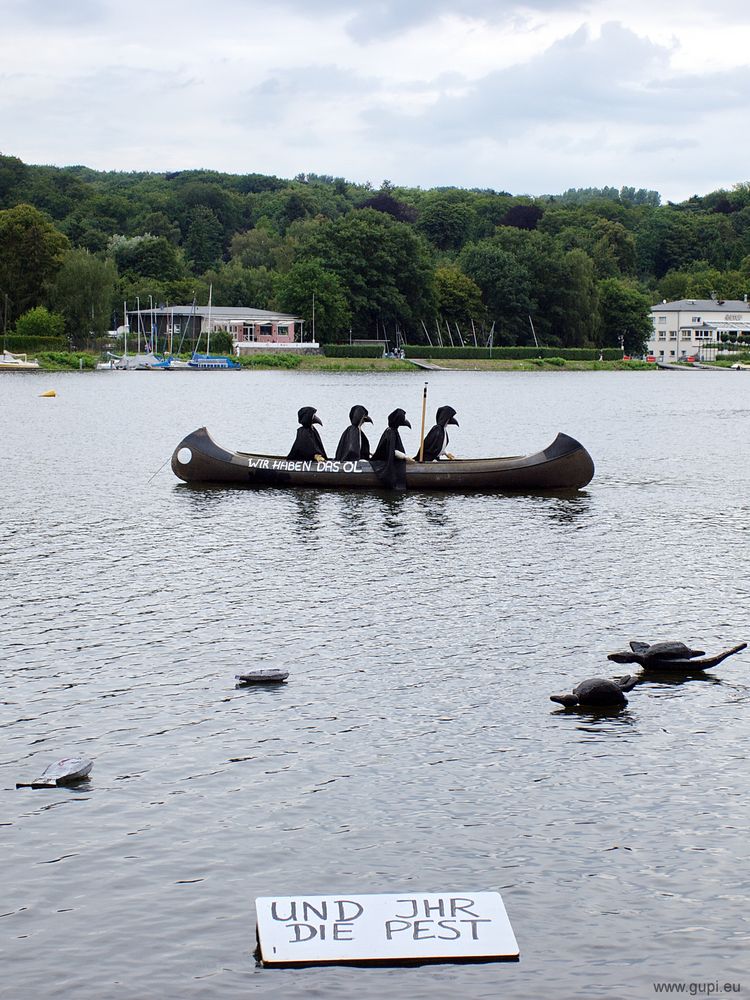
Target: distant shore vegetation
[(578, 269)]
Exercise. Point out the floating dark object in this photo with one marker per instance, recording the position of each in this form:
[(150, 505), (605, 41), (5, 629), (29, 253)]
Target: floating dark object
[(597, 692), (643, 652), (671, 656), (564, 465), (67, 771), (263, 675)]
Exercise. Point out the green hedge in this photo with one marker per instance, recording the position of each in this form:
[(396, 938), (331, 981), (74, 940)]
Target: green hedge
[(352, 350), (516, 353), (27, 345), (269, 360)]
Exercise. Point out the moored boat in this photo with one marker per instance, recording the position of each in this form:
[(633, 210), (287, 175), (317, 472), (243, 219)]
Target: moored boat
[(564, 465), (17, 362), (212, 362), (148, 362)]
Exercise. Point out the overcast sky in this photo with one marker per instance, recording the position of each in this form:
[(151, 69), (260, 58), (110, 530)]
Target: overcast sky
[(531, 98)]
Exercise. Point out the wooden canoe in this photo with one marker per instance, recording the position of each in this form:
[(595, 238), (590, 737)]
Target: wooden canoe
[(564, 465)]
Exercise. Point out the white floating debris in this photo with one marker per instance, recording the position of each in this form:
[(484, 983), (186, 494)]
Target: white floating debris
[(67, 771), (388, 929), (263, 675)]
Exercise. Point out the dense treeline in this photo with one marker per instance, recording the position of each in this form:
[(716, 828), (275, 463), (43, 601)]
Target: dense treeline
[(583, 266)]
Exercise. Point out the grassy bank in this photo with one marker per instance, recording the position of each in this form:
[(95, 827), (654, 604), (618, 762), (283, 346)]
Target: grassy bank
[(548, 364), (318, 363)]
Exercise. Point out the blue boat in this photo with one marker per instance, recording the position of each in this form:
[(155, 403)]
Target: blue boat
[(212, 362)]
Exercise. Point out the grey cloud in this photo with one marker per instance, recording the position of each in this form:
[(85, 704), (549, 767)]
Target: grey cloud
[(663, 144), (617, 78), (271, 99), (370, 19), (93, 111), (54, 13)]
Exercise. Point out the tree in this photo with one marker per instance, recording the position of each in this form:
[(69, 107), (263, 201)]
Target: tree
[(158, 224), (446, 219), (57, 191), (704, 282), (146, 257), (612, 248), (40, 322), (12, 174), (505, 284), (295, 295), (674, 285), (259, 247), (459, 298), (235, 285), (667, 241), (83, 293), (204, 239), (625, 316), (285, 206), (221, 343), (384, 201), (201, 192), (31, 252), (383, 266), (578, 298), (548, 278), (522, 216)]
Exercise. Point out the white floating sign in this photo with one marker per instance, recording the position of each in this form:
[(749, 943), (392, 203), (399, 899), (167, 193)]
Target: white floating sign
[(399, 927)]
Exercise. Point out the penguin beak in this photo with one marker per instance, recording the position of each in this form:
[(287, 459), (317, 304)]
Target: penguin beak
[(406, 424), (316, 420), (453, 421), (367, 420)]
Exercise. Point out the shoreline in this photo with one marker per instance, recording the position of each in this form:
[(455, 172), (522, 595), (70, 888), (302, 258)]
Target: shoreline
[(323, 364)]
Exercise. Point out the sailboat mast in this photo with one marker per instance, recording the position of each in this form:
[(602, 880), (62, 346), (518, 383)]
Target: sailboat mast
[(531, 324), (208, 335)]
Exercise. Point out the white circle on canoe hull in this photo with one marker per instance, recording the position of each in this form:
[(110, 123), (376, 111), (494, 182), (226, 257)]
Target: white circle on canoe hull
[(184, 456)]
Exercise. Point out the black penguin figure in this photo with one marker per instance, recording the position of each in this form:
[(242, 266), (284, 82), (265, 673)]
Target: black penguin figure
[(307, 445), (389, 459), (353, 444), (436, 441)]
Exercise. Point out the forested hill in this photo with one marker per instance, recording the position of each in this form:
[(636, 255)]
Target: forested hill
[(585, 265)]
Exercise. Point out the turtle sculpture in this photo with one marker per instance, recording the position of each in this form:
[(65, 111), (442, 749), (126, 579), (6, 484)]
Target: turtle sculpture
[(671, 656), (597, 692)]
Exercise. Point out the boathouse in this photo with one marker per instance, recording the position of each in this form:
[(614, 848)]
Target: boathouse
[(177, 328), (697, 327)]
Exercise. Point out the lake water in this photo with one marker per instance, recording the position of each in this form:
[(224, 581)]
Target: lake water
[(414, 746)]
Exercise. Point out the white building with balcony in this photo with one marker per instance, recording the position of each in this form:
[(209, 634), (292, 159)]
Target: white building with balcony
[(693, 327)]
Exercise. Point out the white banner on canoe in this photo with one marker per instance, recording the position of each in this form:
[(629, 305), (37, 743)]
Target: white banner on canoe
[(393, 928)]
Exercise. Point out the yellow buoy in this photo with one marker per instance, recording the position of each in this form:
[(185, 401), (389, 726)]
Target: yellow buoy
[(48, 393)]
